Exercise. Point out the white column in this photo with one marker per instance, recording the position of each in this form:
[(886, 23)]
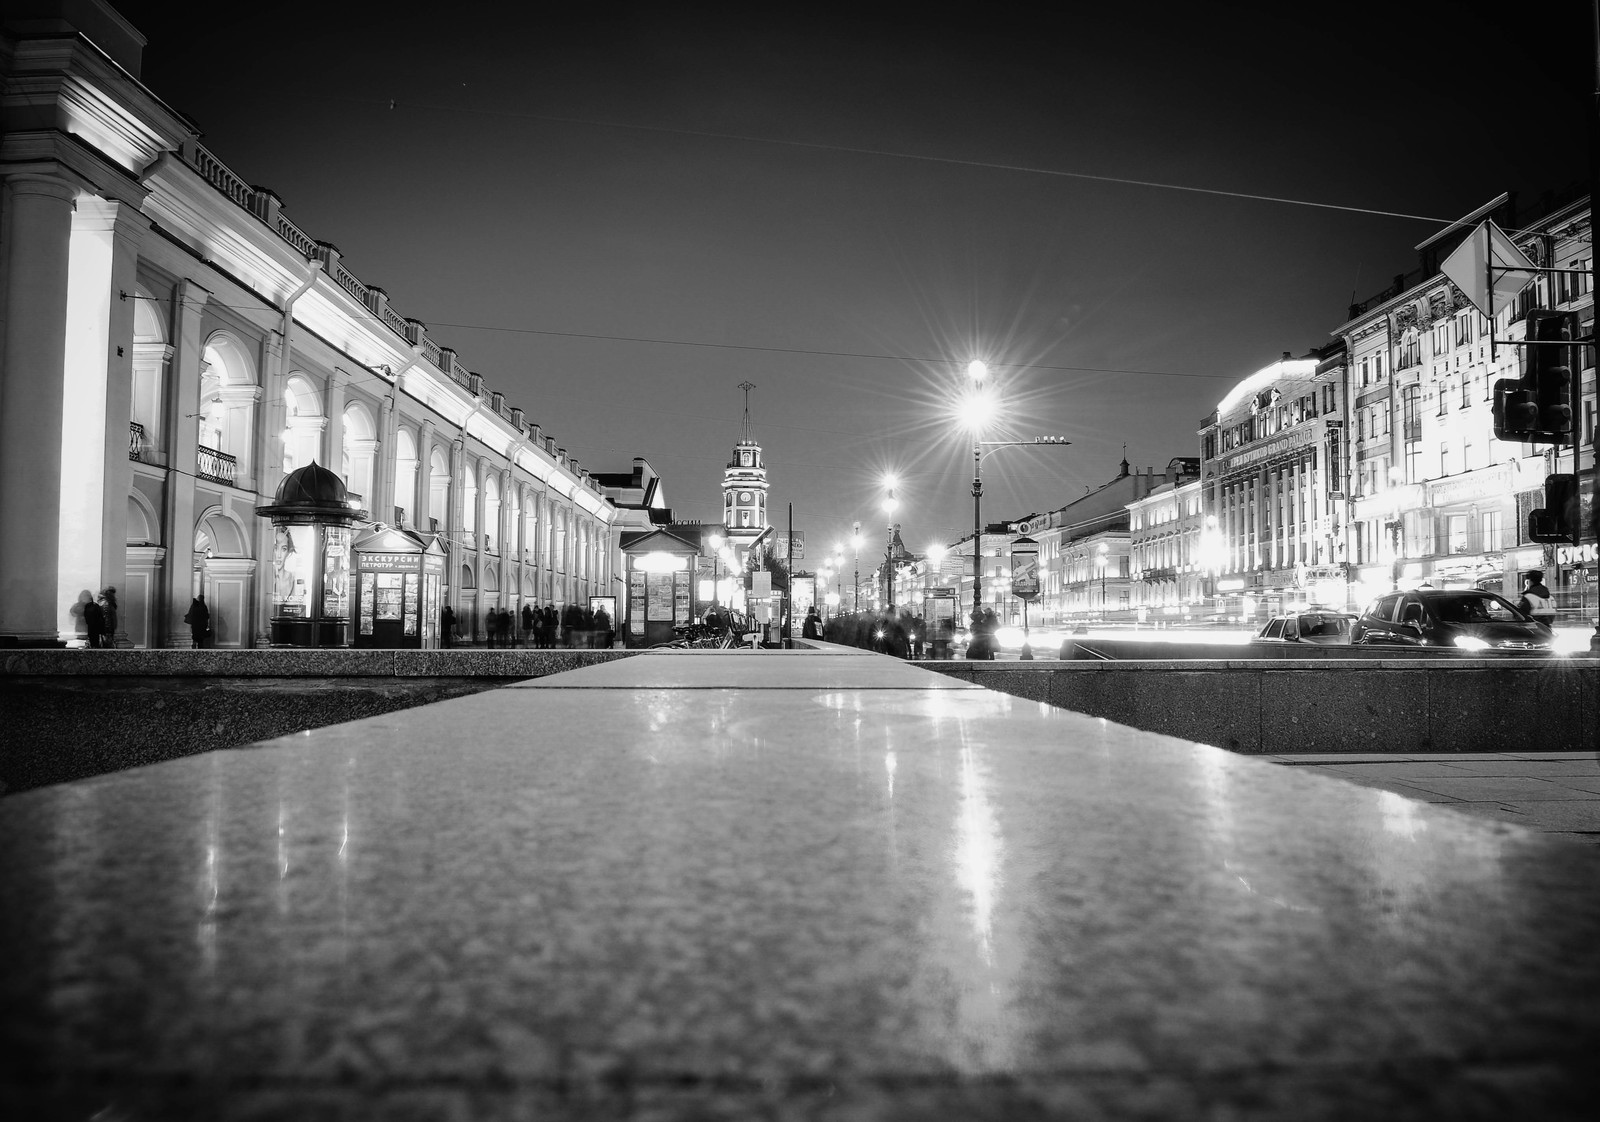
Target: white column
[(333, 452), (183, 423), (383, 467), (424, 490), (115, 362), (33, 406)]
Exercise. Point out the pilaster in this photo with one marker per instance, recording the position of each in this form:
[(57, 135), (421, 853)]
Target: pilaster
[(333, 450), (33, 407)]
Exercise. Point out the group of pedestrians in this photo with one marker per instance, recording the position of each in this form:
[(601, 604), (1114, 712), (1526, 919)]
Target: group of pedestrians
[(898, 633), (100, 617), (539, 628)]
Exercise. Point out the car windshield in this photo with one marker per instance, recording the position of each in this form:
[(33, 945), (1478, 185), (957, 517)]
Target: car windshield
[(1475, 607), (1323, 625)]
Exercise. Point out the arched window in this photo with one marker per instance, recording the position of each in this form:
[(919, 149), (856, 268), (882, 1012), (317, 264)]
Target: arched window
[(439, 489), (491, 511), (360, 452), (226, 409), (513, 503), (405, 478), (303, 423)]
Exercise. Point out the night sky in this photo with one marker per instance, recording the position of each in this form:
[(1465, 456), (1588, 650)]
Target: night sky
[(616, 214)]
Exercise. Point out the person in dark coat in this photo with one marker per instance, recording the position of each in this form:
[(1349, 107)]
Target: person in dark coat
[(199, 620), (94, 618), (447, 626), (812, 627), (108, 605), (603, 632), (508, 629), (571, 620), (527, 626)]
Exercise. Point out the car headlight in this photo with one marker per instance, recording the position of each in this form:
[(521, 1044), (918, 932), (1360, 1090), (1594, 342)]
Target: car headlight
[(1471, 642)]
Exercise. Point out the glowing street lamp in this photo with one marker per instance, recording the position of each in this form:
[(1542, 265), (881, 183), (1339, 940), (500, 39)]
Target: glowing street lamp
[(855, 591), (716, 540), (890, 504)]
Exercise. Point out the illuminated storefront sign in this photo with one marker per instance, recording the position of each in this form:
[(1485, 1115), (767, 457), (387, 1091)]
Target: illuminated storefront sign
[(1300, 438)]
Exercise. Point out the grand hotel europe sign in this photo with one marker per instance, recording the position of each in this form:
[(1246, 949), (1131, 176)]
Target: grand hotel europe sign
[(1277, 446)]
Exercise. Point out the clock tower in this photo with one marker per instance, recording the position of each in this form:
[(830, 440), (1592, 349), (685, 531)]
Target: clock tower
[(744, 487)]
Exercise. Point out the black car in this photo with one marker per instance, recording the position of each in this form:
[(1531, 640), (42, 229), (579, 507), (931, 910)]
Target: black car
[(1462, 619)]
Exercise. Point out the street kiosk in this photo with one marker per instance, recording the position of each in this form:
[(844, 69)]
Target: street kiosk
[(312, 523), (399, 588)]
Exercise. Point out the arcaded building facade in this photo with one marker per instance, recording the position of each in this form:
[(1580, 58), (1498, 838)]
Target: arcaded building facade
[(172, 344)]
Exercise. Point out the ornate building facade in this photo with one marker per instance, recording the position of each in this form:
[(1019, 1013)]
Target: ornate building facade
[(174, 344), (1272, 463), (1433, 496)]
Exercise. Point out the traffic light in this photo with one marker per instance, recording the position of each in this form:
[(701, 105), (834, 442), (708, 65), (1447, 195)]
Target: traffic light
[(1537, 407), (1557, 521)]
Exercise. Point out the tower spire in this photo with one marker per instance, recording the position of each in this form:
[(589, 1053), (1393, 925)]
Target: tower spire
[(746, 387)]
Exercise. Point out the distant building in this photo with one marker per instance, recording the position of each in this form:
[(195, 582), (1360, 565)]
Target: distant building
[(744, 488), (1273, 463), (1085, 559), (1165, 533)]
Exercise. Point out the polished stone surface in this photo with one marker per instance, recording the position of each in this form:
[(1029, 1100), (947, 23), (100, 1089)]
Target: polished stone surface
[(299, 662), (736, 901)]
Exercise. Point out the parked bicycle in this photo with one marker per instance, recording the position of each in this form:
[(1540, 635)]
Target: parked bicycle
[(697, 636)]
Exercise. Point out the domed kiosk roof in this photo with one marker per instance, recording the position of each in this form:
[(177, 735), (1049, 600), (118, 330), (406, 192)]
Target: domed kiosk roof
[(313, 493)]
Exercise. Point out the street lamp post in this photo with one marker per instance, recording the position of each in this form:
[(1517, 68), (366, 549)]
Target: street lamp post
[(978, 408), (977, 370), (855, 589), (889, 505)]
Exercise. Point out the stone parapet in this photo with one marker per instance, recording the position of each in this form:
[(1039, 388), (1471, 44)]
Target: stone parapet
[(1252, 706)]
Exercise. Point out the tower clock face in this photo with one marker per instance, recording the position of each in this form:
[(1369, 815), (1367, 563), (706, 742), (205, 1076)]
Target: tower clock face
[(744, 496)]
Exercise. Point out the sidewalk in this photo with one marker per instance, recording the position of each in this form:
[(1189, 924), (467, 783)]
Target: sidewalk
[(780, 884), (1551, 792)]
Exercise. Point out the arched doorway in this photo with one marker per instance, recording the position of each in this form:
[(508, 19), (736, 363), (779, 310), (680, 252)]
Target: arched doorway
[(224, 572)]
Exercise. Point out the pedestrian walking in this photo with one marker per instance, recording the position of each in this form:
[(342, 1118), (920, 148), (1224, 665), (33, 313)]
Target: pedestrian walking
[(108, 606), (526, 619), (508, 629), (603, 631), (812, 627), (199, 620), (447, 626), (1536, 600), (491, 624)]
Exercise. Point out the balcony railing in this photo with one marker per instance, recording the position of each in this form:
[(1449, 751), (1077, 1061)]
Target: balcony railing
[(219, 467), (136, 441)]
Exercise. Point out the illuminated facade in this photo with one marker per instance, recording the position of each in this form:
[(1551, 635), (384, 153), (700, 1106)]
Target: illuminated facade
[(1165, 532), (744, 488), (1272, 462), (174, 345), (1433, 496)]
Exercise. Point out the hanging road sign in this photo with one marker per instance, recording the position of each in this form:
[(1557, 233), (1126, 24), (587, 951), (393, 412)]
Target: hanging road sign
[(1489, 269)]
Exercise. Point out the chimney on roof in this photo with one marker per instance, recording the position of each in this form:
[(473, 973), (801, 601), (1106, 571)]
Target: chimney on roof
[(1287, 356)]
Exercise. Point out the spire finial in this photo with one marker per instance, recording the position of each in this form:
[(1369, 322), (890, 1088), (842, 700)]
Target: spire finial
[(747, 387)]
